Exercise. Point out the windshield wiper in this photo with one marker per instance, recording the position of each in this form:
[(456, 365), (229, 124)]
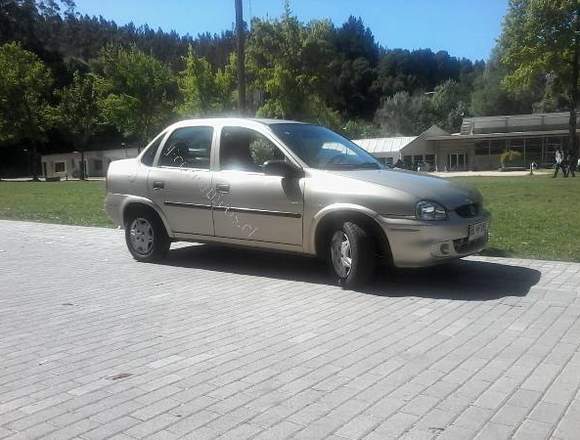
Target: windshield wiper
[(354, 166)]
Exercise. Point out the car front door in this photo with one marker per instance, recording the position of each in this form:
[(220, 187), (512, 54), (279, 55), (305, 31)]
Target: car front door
[(247, 204), (181, 179)]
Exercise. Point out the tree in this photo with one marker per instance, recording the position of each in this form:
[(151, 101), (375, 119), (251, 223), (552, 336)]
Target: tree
[(355, 62), (448, 105), (287, 68), (358, 129), (204, 92), (78, 112), (25, 84), (403, 114), (138, 91), (543, 37)]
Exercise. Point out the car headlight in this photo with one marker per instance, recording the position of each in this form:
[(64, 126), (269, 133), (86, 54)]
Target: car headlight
[(427, 210)]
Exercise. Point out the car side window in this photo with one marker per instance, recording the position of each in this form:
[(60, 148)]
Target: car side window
[(149, 155), (187, 147), (246, 150)]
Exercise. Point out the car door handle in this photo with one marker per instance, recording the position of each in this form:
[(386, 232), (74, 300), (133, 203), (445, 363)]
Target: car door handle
[(157, 185), (222, 187)]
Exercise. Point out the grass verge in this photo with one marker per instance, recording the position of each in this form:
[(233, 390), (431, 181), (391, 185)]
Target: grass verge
[(69, 203), (533, 216)]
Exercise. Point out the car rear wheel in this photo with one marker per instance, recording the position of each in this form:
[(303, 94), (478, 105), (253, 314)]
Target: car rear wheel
[(352, 255), (146, 236)]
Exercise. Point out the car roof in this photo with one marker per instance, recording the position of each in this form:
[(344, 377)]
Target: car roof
[(234, 120)]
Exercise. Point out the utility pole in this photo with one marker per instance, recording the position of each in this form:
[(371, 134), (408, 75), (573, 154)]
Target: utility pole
[(573, 140), (241, 58)]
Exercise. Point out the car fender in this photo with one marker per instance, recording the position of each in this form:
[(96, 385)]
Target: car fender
[(133, 199), (317, 219)]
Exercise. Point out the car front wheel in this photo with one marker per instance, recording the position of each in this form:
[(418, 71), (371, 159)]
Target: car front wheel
[(146, 236), (352, 255)]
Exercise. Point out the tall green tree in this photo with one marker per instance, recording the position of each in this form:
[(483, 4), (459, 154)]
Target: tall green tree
[(404, 114), (78, 112), (25, 84), (542, 37), (449, 105), (203, 90), (490, 96), (355, 69), (138, 91), (287, 67)]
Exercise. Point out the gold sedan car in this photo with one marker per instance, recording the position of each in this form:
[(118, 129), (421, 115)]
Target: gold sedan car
[(289, 186)]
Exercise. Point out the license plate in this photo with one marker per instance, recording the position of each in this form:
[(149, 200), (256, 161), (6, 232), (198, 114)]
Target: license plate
[(477, 231)]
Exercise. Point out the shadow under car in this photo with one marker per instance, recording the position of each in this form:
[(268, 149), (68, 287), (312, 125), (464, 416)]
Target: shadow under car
[(460, 280)]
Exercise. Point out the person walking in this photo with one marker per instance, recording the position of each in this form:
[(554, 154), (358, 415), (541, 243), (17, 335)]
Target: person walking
[(559, 158)]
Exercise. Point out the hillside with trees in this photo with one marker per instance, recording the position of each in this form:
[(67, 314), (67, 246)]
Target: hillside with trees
[(70, 81)]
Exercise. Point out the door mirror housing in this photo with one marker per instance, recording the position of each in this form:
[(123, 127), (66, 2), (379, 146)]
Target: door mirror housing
[(281, 168)]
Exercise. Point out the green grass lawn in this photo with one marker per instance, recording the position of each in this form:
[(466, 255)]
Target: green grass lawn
[(70, 203), (533, 217)]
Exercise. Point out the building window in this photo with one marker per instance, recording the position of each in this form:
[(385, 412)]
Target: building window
[(498, 146), (533, 150), (482, 148), (59, 167), (457, 161)]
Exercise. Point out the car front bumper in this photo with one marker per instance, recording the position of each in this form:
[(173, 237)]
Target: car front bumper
[(416, 243)]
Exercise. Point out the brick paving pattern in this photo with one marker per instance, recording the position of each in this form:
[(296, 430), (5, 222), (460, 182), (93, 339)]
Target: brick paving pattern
[(235, 344)]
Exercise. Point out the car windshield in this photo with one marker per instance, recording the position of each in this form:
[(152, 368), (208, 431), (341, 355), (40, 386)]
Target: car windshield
[(324, 149)]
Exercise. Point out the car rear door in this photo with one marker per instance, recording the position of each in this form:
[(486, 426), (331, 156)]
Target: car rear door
[(181, 178)]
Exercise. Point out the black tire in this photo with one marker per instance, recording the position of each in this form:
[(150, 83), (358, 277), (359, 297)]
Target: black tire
[(144, 250), (362, 255)]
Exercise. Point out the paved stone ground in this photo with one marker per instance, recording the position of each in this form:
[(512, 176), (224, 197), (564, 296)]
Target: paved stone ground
[(232, 344)]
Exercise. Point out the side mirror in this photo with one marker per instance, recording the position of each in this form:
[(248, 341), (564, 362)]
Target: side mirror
[(281, 168)]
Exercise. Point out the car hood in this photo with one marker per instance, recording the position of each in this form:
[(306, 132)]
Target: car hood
[(421, 186)]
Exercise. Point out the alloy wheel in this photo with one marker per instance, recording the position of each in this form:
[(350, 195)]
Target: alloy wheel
[(142, 236), (340, 252)]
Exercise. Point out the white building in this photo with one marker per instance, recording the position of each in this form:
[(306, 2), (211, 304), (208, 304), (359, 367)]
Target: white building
[(66, 165), (408, 149), (484, 143)]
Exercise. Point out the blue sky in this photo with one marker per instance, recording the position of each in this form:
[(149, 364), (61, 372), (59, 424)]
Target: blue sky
[(465, 28)]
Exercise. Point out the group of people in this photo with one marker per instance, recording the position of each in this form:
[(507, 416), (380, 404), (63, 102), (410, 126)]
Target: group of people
[(567, 162)]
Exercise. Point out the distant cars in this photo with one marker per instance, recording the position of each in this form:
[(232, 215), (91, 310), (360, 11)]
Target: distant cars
[(289, 186)]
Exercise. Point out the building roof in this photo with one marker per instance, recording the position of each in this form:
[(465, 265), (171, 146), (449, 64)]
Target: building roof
[(391, 145), (385, 145), (515, 123), (513, 134)]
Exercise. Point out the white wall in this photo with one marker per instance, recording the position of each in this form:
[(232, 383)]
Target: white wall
[(92, 159)]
